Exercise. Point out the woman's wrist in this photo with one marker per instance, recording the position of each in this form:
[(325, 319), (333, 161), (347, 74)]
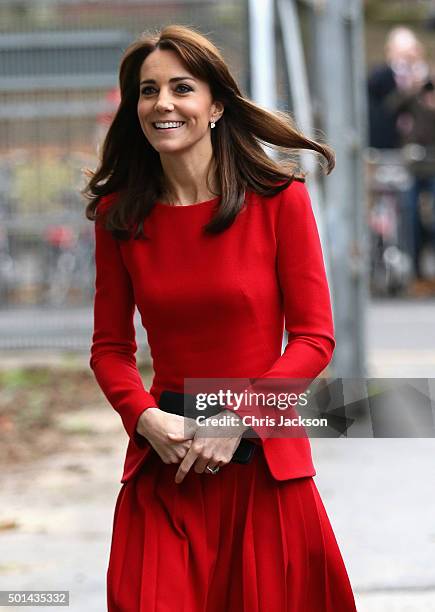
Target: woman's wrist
[(142, 426)]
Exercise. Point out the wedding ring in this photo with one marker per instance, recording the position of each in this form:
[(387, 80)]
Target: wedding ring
[(214, 470)]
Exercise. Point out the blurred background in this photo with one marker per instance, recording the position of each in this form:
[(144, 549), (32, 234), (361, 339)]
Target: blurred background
[(358, 74)]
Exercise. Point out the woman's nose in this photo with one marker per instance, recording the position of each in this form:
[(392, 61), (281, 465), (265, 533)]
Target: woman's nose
[(164, 102)]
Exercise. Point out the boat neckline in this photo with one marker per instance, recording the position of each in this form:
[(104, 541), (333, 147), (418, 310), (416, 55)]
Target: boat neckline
[(194, 205)]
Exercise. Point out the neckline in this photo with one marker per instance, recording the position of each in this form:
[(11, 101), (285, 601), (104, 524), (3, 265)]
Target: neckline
[(195, 205)]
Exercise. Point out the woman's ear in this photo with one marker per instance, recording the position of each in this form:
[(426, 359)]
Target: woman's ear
[(217, 111)]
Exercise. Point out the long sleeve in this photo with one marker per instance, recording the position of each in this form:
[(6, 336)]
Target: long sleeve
[(306, 299), (114, 346)]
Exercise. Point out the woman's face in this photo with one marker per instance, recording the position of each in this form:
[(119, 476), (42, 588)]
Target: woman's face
[(170, 93)]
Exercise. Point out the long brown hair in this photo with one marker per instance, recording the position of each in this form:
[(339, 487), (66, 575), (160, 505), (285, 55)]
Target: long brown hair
[(130, 166)]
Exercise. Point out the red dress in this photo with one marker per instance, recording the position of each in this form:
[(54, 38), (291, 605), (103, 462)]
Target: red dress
[(253, 537)]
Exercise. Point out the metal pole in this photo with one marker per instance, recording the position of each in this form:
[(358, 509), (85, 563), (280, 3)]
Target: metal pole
[(302, 107), (337, 34), (262, 53)]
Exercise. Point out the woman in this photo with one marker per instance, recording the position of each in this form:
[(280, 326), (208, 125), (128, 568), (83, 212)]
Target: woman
[(215, 243)]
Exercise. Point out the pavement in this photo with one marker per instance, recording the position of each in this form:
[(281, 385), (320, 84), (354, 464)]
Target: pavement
[(379, 493)]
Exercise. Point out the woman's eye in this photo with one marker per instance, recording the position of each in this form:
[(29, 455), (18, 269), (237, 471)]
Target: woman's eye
[(146, 90)]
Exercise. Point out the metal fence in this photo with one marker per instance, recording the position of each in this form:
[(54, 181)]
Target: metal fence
[(58, 76)]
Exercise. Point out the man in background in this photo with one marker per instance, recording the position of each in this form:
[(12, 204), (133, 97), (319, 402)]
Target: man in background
[(403, 71), (402, 112)]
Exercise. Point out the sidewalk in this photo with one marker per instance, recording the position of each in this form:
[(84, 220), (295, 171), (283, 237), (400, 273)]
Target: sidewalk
[(379, 493), (62, 506), (380, 498)]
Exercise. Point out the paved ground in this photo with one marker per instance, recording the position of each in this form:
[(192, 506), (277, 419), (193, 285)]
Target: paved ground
[(401, 338), (379, 494), (380, 499), (63, 506)]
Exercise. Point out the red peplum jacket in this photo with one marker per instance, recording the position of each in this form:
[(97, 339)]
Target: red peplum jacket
[(213, 306)]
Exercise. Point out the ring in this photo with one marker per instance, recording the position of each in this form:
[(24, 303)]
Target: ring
[(214, 470)]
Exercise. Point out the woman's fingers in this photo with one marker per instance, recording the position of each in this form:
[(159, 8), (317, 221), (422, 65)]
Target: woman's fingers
[(181, 428), (186, 464), (204, 452), (201, 464), (177, 437)]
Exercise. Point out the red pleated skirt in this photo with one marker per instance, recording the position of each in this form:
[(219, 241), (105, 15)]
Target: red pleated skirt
[(237, 541)]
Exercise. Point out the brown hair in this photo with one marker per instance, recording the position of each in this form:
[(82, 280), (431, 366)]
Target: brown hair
[(130, 166)]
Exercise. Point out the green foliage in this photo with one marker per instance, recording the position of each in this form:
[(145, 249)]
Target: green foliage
[(41, 179), (23, 378)]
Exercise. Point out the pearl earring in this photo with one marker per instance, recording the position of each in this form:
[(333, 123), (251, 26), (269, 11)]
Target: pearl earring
[(212, 124)]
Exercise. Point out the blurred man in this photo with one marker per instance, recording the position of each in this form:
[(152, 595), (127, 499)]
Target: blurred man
[(402, 112), (413, 103), (402, 71)]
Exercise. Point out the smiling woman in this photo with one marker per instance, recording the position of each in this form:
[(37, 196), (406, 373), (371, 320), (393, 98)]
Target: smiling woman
[(175, 117), (216, 245), (179, 75)]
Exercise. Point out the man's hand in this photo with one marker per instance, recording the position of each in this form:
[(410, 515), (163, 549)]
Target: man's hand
[(212, 445), (154, 424)]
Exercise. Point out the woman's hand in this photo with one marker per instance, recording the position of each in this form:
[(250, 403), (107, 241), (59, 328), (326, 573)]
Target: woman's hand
[(154, 424), (212, 445)]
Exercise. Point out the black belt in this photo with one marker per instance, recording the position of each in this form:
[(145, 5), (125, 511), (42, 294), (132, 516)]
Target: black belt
[(183, 404)]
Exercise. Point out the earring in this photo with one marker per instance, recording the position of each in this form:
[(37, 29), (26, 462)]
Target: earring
[(212, 124)]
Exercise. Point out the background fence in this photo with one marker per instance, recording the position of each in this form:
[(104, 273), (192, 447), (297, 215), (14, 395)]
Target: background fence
[(58, 77)]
